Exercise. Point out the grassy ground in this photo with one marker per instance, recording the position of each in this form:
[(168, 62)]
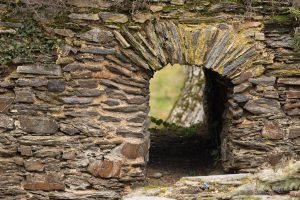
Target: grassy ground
[(165, 89)]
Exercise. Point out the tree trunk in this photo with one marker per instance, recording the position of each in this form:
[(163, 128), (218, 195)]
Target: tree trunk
[(188, 109)]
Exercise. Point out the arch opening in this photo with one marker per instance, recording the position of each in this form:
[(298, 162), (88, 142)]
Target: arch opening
[(191, 148)]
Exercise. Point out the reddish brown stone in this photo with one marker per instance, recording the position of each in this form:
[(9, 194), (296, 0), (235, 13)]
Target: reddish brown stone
[(25, 150), (252, 24), (102, 75), (271, 130), (289, 81), (293, 94), (19, 161), (242, 78), (34, 165), (133, 151), (45, 186), (105, 168), (5, 103)]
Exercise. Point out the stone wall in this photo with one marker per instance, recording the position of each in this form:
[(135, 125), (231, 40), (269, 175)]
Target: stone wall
[(77, 128)]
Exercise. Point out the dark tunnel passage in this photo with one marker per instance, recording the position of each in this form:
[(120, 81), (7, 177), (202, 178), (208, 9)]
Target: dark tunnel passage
[(175, 153)]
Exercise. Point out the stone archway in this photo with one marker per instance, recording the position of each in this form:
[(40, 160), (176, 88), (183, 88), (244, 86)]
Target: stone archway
[(219, 48)]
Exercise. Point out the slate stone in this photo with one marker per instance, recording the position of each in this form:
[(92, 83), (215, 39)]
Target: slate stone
[(5, 103), (56, 85), (88, 92), (24, 96), (97, 35), (88, 83), (294, 132), (128, 134), (137, 119), (69, 129), (98, 50), (6, 122), (113, 17), (289, 81), (92, 17), (82, 113), (241, 98), (127, 109), (54, 70), (271, 130), (109, 119), (263, 80), (75, 100), (81, 67), (34, 82), (263, 106), (293, 94), (111, 103), (34, 166), (39, 125), (64, 32), (241, 87)]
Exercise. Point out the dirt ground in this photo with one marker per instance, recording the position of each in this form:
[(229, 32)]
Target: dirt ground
[(175, 155)]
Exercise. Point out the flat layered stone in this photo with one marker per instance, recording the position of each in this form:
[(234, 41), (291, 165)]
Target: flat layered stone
[(76, 100), (44, 186), (6, 122), (263, 80), (5, 103), (113, 17), (88, 92), (105, 118), (64, 32), (271, 130), (24, 96), (294, 132), (39, 125), (34, 165), (241, 98), (293, 94), (98, 50), (289, 81), (82, 67), (92, 17), (56, 85), (241, 87), (105, 168), (97, 35), (34, 82), (263, 106), (53, 70)]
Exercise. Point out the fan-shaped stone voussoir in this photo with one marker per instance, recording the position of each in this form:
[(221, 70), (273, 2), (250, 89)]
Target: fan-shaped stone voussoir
[(217, 47)]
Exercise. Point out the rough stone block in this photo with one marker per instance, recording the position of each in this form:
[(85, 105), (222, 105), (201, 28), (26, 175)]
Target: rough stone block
[(113, 17), (293, 94), (92, 17), (263, 106), (56, 85), (271, 130), (105, 168), (34, 165), (6, 122), (38, 125), (54, 70), (294, 132), (5, 103)]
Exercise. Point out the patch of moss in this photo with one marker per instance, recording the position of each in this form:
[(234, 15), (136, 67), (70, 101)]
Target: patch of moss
[(280, 18)]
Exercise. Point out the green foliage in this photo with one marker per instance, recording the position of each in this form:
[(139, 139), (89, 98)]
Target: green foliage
[(161, 124), (295, 43), (295, 12), (28, 44)]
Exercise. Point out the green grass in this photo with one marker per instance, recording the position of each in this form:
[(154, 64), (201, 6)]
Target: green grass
[(165, 88)]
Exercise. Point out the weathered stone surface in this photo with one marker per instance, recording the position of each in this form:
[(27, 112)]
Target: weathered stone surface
[(289, 81), (6, 122), (113, 17), (97, 50), (294, 132), (5, 103), (93, 17), (34, 165), (24, 96), (64, 32), (75, 100), (69, 155), (109, 119), (35, 82), (241, 87), (133, 150), (271, 130), (88, 92), (293, 94), (53, 70), (263, 106), (240, 98), (97, 35), (45, 186), (56, 85), (38, 125), (105, 168), (25, 150), (263, 80), (82, 67), (260, 36)]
